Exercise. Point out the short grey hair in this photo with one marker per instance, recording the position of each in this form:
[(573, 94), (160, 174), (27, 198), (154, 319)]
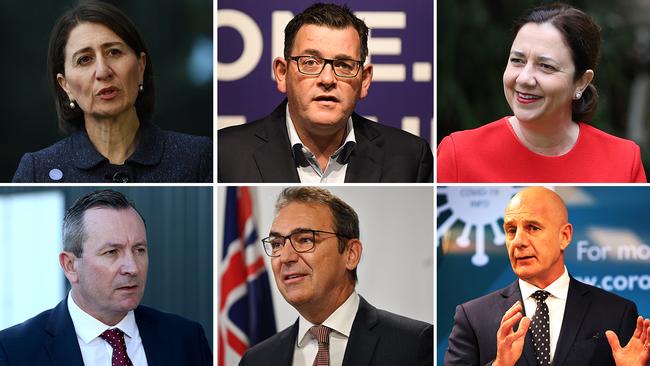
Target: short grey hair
[(74, 233)]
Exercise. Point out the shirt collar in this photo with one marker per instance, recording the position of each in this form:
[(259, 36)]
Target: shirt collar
[(148, 152), (558, 289), (339, 321), (341, 155), (89, 328)]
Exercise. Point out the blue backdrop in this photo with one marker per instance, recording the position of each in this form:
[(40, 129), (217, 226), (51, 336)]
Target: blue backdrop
[(251, 34), (610, 247)]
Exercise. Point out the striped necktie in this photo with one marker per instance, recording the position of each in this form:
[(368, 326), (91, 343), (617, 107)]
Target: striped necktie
[(322, 334)]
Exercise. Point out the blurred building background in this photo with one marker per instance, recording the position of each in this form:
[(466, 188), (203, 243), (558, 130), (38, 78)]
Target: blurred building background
[(179, 234), (474, 38), (178, 35)]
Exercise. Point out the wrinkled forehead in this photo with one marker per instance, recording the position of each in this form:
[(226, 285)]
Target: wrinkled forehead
[(325, 41), (537, 204), (303, 215)]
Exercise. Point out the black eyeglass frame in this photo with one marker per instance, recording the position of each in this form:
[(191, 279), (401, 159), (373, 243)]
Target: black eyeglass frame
[(266, 240), (327, 61)]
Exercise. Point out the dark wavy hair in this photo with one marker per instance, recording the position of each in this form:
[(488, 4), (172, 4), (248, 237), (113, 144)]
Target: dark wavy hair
[(329, 15), (108, 15), (582, 36)]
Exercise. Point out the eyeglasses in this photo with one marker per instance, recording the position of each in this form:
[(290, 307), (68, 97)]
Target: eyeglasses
[(302, 241), (314, 65)]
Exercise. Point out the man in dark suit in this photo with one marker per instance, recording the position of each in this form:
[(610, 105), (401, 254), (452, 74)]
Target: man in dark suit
[(572, 322), (105, 258), (315, 249), (315, 136)]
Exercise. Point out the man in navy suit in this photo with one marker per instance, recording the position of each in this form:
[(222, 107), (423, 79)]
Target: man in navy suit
[(105, 258), (315, 249), (315, 136), (577, 324)]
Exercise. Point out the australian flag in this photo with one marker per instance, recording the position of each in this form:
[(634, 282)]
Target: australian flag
[(245, 307)]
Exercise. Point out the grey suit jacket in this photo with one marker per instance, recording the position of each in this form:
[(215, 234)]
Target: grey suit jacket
[(260, 152), (377, 338), (589, 312)]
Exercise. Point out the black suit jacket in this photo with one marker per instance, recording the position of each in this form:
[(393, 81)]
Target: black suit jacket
[(49, 339), (589, 312), (260, 152), (160, 157), (377, 338)]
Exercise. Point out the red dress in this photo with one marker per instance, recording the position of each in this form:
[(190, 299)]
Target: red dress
[(493, 154)]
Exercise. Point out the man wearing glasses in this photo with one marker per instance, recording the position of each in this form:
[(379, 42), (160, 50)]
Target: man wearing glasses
[(315, 249), (314, 135)]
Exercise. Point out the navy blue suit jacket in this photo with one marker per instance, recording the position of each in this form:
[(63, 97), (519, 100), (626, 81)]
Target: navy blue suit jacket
[(260, 152), (160, 157), (377, 338), (49, 339), (589, 312)]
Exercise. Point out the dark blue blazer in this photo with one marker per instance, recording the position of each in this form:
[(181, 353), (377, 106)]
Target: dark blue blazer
[(260, 152), (589, 312), (377, 338), (49, 339), (160, 157)]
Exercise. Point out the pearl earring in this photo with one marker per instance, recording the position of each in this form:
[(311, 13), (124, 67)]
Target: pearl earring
[(72, 105), (141, 87), (578, 95)]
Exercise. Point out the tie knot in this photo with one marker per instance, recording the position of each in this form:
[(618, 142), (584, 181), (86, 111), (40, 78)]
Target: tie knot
[(321, 333), (114, 337), (541, 295)]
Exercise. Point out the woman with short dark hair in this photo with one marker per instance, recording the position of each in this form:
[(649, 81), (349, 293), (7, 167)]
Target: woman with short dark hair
[(100, 72)]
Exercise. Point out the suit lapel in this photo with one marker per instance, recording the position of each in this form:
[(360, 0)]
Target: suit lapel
[(151, 333), (274, 158), (577, 304), (512, 294), (366, 159), (285, 346), (362, 342), (63, 346)]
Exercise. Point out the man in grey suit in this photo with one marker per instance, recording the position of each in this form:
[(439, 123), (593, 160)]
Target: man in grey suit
[(546, 316), (315, 249)]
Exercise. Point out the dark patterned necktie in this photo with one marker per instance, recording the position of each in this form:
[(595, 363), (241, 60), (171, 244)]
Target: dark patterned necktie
[(540, 329), (322, 334), (115, 338)]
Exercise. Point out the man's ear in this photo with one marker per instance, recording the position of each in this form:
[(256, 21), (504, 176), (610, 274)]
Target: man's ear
[(566, 233), (68, 262), (366, 80), (353, 254), (280, 69)]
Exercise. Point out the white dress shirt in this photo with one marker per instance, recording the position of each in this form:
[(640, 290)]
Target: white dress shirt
[(340, 321), (334, 172), (94, 350), (556, 303)]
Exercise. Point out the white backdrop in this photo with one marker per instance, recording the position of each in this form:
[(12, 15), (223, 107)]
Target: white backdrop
[(396, 269)]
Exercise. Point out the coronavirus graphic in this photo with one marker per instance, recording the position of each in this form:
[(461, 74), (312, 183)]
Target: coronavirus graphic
[(477, 207)]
